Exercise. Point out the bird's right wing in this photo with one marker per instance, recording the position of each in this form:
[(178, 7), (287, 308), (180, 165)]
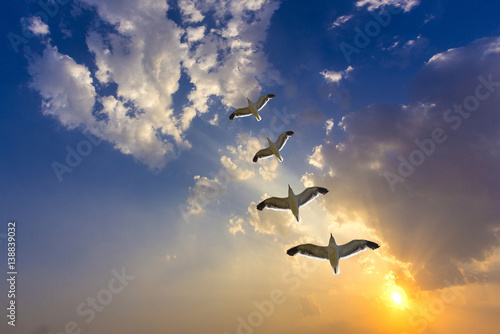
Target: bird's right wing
[(274, 203), (309, 194), (309, 250), (282, 139), (264, 153), (242, 112), (356, 246), (262, 101)]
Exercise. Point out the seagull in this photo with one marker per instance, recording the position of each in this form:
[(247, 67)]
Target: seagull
[(292, 202), (273, 148), (333, 252), (252, 109)]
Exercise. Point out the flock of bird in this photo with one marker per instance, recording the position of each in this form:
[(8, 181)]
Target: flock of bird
[(332, 252)]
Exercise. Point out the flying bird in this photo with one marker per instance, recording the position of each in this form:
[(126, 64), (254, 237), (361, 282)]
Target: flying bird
[(333, 252), (292, 202), (252, 109), (273, 148)]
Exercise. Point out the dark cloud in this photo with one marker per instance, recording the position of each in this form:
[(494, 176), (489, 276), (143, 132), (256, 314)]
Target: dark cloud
[(441, 203)]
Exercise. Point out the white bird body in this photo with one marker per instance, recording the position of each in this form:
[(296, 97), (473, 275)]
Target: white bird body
[(274, 148), (333, 253), (253, 110), (292, 202)]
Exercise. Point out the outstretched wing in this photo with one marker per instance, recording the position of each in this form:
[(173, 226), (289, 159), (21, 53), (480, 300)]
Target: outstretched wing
[(274, 203), (262, 101), (309, 194), (282, 139), (262, 154), (242, 112), (309, 250), (356, 246)]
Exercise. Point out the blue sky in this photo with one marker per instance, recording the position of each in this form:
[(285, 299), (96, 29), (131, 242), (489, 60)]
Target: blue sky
[(168, 189)]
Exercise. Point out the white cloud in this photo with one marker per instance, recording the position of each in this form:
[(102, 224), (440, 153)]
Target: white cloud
[(407, 5), (214, 121), (270, 221), (228, 60), (36, 26), (206, 190), (329, 126), (236, 165), (195, 33), (428, 18), (66, 88), (316, 159), (241, 164), (334, 76), (403, 52), (236, 225), (189, 11), (331, 76), (145, 57), (341, 20), (237, 172)]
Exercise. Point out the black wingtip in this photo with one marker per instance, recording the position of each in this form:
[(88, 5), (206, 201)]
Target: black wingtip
[(255, 158), (271, 96), (292, 251), (261, 206), (231, 116), (289, 133), (322, 190), (373, 245)]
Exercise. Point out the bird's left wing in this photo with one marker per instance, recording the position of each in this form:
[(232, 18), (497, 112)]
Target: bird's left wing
[(275, 203), (309, 250), (262, 154), (356, 246), (309, 194), (242, 112)]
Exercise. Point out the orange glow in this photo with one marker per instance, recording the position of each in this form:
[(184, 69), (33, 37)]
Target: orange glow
[(394, 295), (397, 298)]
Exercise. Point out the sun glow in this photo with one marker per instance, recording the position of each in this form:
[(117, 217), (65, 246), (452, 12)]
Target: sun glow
[(394, 295), (397, 298)]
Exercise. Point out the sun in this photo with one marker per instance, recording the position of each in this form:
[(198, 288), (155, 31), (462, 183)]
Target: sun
[(397, 298)]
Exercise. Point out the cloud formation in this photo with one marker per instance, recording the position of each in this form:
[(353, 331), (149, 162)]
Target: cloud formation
[(36, 26), (66, 88), (140, 51), (334, 76), (372, 5), (237, 165), (444, 196)]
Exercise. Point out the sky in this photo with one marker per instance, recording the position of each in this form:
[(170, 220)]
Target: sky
[(135, 196)]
